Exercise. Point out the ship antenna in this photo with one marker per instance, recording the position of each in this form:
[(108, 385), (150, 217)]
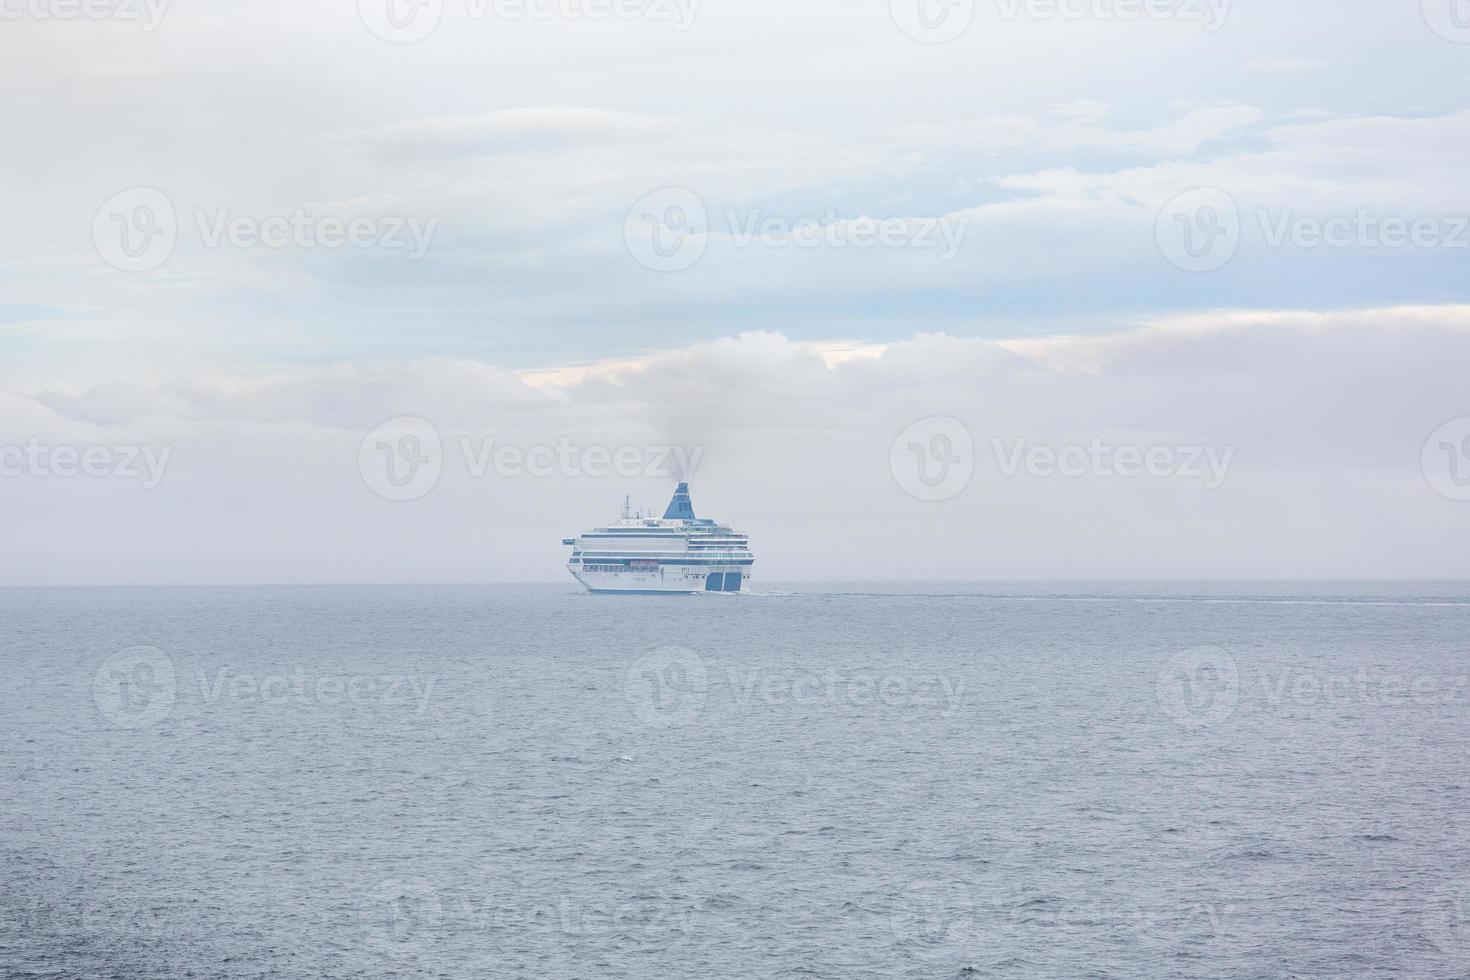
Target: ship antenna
[(627, 505)]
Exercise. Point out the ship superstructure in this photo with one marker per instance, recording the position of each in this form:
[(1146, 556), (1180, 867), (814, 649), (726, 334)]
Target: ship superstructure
[(675, 553)]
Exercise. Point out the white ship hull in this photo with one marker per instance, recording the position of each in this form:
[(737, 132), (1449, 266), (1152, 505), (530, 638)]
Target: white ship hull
[(665, 578)]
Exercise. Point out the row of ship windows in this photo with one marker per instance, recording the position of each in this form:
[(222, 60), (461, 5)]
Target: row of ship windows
[(703, 556), (689, 572), (653, 553), (691, 539), (633, 532)]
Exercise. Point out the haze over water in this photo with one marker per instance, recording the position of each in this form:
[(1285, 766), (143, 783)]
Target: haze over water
[(817, 782)]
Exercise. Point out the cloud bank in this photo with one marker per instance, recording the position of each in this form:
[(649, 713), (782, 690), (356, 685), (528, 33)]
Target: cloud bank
[(1323, 418)]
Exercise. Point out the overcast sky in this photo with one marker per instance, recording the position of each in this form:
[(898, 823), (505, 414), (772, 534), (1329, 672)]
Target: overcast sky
[(1037, 289)]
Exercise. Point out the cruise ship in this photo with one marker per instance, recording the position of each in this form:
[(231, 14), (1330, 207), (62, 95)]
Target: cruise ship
[(676, 553)]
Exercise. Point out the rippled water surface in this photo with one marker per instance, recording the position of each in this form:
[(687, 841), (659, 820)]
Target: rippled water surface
[(1069, 781)]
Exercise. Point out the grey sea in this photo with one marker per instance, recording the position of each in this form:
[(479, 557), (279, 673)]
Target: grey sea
[(810, 782)]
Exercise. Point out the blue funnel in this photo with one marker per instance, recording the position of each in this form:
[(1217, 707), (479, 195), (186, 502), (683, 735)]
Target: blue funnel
[(680, 508)]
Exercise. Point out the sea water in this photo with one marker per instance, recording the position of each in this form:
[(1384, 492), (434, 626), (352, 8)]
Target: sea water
[(808, 781)]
